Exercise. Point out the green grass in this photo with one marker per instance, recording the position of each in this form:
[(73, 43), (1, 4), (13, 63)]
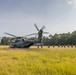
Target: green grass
[(38, 61)]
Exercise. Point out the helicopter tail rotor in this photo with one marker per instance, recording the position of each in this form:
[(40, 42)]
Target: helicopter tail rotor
[(40, 32), (36, 27)]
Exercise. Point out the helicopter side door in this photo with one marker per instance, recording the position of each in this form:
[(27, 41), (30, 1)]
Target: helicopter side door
[(19, 43)]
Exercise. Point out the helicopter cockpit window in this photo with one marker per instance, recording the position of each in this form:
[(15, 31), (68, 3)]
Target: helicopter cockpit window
[(13, 40), (17, 40), (22, 39)]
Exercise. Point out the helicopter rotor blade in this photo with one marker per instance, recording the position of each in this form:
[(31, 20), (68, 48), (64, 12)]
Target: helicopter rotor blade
[(10, 34), (30, 34), (45, 32), (43, 27), (36, 27)]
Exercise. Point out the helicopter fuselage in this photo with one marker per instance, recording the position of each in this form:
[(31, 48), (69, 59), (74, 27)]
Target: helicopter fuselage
[(21, 43)]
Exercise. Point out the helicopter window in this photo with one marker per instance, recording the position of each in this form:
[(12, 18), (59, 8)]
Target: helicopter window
[(13, 40), (16, 40), (22, 39)]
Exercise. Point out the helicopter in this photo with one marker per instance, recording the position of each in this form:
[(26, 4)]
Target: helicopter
[(23, 42)]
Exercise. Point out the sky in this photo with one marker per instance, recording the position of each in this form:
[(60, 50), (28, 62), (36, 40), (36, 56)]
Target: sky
[(19, 16)]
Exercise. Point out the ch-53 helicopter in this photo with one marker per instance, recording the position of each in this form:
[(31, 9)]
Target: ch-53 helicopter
[(22, 42)]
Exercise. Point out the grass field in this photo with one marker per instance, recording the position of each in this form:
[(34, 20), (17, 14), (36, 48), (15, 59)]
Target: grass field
[(38, 61)]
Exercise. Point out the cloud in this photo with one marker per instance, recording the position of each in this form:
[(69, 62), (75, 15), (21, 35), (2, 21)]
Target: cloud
[(72, 2)]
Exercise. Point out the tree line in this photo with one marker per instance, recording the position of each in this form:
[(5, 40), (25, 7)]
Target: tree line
[(56, 39), (61, 39)]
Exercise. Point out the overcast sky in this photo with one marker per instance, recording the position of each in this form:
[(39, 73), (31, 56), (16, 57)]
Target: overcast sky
[(18, 16)]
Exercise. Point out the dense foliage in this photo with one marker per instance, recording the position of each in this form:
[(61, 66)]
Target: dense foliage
[(61, 39), (5, 41)]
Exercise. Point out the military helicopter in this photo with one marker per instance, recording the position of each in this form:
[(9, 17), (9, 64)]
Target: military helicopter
[(22, 42)]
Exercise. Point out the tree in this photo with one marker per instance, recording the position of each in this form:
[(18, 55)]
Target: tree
[(5, 41)]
